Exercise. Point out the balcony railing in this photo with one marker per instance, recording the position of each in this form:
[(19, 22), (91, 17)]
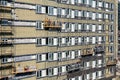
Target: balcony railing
[(51, 24), (24, 69), (83, 71), (87, 52), (8, 66), (99, 49), (111, 62)]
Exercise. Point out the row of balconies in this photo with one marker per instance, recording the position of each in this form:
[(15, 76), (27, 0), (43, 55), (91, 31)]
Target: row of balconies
[(28, 69), (99, 49), (83, 18), (85, 5), (71, 68)]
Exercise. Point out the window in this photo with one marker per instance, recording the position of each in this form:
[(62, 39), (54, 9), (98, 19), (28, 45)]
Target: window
[(76, 13), (50, 56), (25, 58), (94, 75), (112, 6), (39, 25), (99, 63), (111, 38), (107, 4), (79, 27), (111, 28), (5, 22), (50, 10), (99, 74), (55, 11), (3, 2), (111, 49), (41, 41), (68, 55), (72, 14), (43, 73), (53, 41), (38, 74), (93, 64), (55, 71), (94, 3), (55, 56), (73, 41), (100, 4), (93, 40), (50, 41), (38, 9), (64, 69), (63, 55), (93, 28), (88, 76), (76, 54), (72, 54), (93, 16), (4, 60), (50, 71), (63, 41), (59, 55), (59, 11), (41, 57)]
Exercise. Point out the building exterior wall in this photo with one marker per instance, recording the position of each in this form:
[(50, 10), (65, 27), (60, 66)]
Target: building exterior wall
[(86, 49)]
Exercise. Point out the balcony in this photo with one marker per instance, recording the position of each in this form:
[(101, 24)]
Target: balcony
[(6, 66), (74, 67), (87, 52), (111, 62), (109, 75), (99, 50), (82, 71), (109, 54), (49, 25), (25, 69), (4, 77)]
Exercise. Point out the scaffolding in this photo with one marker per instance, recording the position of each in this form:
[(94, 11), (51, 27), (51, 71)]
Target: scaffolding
[(6, 41)]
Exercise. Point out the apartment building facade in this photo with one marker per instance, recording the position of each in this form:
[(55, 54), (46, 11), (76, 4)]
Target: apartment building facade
[(58, 39)]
